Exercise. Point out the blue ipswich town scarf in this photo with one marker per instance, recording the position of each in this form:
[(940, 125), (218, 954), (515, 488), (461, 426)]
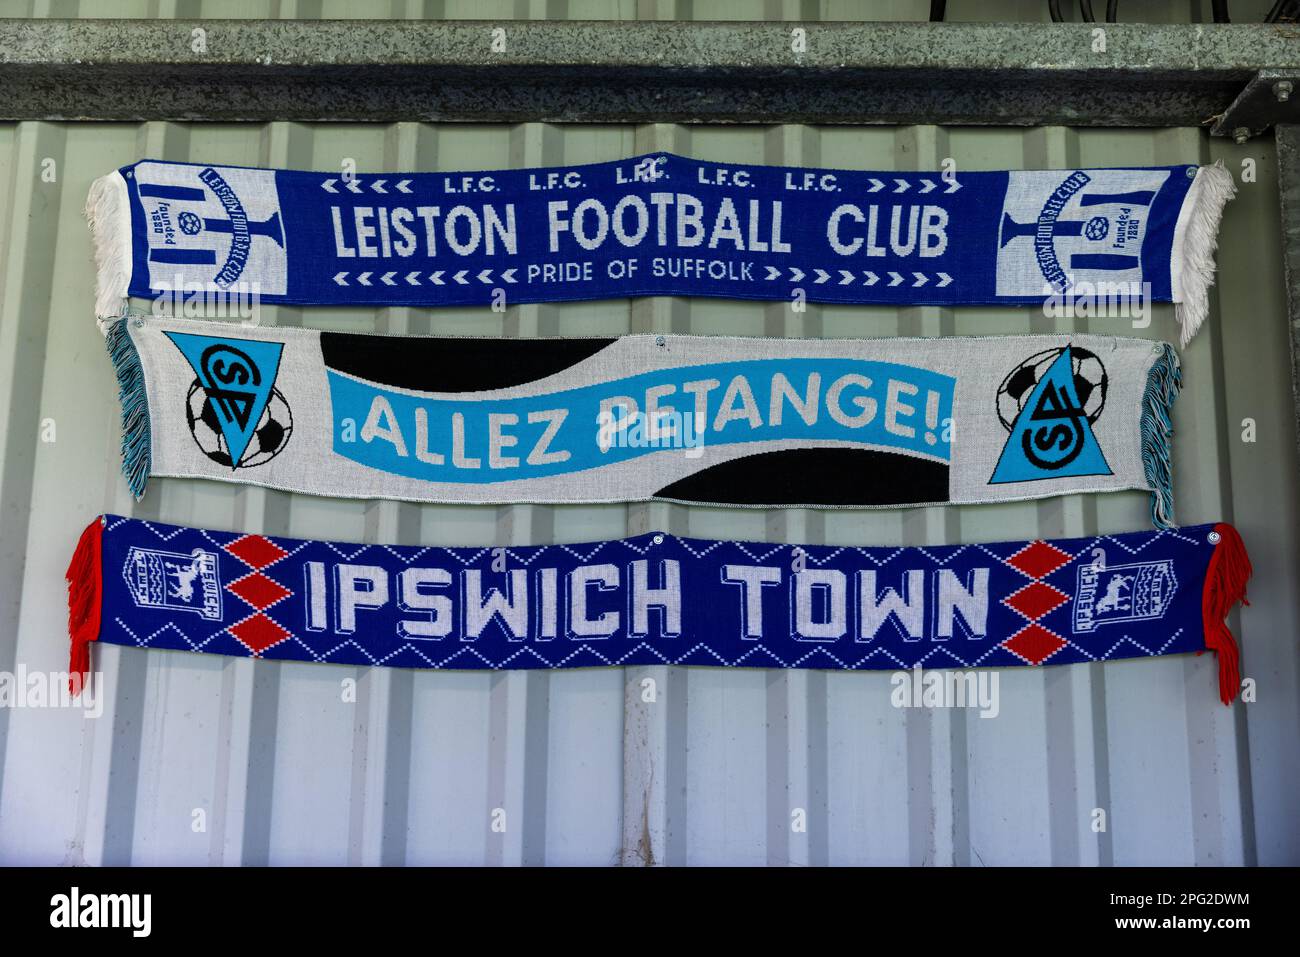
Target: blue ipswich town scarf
[(657, 599), (659, 225), (710, 420)]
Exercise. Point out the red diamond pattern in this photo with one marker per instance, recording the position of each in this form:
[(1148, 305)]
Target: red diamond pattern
[(1035, 600), (256, 551), (1034, 643), (259, 633), (258, 590), (1038, 559)]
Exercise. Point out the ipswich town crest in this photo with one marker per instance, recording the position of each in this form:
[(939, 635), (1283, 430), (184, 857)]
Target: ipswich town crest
[(175, 580), (1106, 595)]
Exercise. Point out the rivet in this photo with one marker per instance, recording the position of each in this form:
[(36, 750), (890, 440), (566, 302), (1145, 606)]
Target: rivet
[(1213, 538), (138, 322), (658, 539), (1191, 172), (1240, 135), (659, 340)]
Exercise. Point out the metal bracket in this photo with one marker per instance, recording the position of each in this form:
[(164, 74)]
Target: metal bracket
[(1271, 97)]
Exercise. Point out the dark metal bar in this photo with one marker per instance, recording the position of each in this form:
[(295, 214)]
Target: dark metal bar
[(974, 73), (1288, 176)]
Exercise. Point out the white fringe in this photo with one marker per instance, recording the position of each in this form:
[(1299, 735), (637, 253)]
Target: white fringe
[(109, 214), (1211, 189)]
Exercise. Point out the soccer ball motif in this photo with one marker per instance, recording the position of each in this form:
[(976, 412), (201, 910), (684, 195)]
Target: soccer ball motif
[(189, 223), (269, 438), (1096, 228), (1090, 383)]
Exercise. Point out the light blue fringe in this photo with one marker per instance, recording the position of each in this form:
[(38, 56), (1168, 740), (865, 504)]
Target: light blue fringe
[(1164, 380), (136, 430)]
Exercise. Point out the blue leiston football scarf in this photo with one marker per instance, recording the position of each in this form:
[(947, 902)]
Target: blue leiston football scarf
[(658, 599), (659, 225)]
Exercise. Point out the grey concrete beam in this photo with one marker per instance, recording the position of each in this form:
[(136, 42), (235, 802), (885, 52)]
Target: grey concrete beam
[(1288, 177), (1025, 73)]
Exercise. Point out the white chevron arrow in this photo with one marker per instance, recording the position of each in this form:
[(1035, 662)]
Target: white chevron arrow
[(796, 274), (848, 277), (485, 275), (953, 187), (403, 186), (876, 185), (773, 273), (822, 276), (921, 280), (378, 186), (341, 278), (894, 279), (363, 278), (928, 184), (387, 279), (460, 277), (902, 185), (872, 278), (352, 185), (328, 186), (508, 276), (944, 279), (413, 278), (436, 278)]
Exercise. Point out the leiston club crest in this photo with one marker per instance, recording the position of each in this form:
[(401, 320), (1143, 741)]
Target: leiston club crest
[(1049, 404), (236, 415), (1088, 226), (177, 580), (1106, 595)]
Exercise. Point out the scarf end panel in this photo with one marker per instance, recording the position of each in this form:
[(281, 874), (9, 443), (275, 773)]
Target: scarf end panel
[(85, 594), (108, 210), (137, 454), (1164, 382), (1225, 588), (1197, 239)]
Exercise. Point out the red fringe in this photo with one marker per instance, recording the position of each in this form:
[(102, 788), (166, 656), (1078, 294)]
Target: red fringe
[(85, 587), (1225, 586)]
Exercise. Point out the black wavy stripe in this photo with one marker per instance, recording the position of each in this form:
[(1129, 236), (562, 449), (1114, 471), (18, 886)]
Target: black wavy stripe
[(835, 476), (438, 364)]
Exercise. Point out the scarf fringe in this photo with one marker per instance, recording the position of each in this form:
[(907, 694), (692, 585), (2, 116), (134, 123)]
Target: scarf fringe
[(1210, 192), (137, 454), (1164, 381), (109, 214), (1225, 587), (85, 590)]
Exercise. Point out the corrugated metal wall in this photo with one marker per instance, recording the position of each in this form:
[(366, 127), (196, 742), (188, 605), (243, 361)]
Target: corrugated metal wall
[(285, 771)]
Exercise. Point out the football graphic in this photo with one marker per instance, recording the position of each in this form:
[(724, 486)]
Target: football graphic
[(1089, 375), (269, 438)]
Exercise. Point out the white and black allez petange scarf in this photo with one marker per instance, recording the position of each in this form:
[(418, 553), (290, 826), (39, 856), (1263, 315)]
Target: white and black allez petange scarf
[(726, 421)]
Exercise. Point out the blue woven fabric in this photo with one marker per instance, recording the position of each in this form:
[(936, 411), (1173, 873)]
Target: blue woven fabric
[(655, 599), (653, 225)]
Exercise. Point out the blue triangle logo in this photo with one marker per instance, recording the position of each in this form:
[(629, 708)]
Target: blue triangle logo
[(237, 375), (1051, 437)]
